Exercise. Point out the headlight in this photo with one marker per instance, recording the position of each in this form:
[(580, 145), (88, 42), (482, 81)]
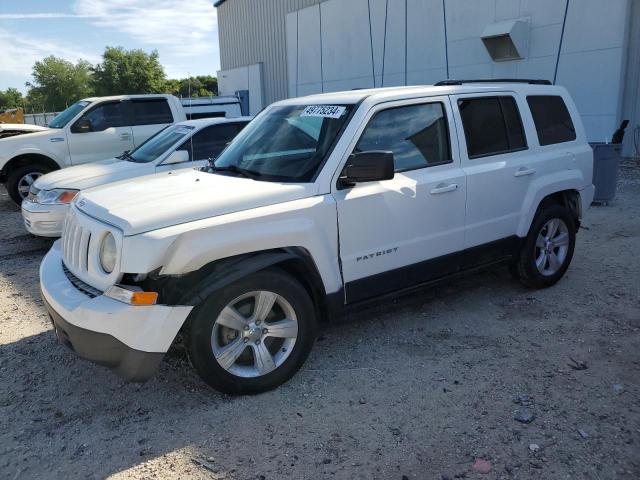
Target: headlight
[(55, 196), (108, 253)]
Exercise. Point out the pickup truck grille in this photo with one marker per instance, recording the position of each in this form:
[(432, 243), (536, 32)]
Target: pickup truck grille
[(75, 245)]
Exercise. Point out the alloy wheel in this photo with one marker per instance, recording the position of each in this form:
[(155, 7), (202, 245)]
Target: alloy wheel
[(25, 182), (552, 246), (254, 334)]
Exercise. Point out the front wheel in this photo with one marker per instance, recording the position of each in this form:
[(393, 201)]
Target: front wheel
[(546, 253), (20, 179), (252, 335)]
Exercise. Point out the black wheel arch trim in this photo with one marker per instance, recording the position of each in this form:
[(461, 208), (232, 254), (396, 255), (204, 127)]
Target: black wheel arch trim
[(194, 287)]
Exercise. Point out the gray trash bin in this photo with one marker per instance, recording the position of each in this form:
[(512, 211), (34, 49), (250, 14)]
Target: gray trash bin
[(606, 162)]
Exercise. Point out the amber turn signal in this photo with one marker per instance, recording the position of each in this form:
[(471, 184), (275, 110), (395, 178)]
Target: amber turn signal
[(144, 298), (66, 197), (132, 297)]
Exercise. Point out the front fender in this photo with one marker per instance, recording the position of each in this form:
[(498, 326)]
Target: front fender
[(308, 224), (543, 187), (8, 154)]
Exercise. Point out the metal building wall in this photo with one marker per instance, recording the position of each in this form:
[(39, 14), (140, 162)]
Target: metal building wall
[(309, 46), (253, 31), (579, 44)]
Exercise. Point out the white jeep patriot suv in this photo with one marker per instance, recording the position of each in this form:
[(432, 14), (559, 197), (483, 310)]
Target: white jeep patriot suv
[(320, 203)]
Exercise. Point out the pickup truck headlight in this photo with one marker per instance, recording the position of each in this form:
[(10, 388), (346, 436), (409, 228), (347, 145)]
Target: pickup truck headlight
[(56, 196), (108, 253)]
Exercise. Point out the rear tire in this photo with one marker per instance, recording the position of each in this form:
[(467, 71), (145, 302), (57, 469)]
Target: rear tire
[(21, 178), (548, 249), (253, 335)]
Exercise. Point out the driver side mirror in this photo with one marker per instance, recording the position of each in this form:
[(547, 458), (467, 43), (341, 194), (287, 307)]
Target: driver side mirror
[(370, 166), (83, 125), (177, 156)]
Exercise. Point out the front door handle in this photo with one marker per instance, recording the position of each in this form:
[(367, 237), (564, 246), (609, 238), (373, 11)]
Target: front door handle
[(442, 188), (524, 171), (125, 136)]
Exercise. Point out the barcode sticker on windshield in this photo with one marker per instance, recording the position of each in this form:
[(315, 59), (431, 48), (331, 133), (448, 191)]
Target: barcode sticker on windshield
[(327, 111)]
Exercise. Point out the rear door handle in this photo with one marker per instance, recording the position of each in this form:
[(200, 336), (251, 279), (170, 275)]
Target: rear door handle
[(524, 171), (442, 188), (125, 136)]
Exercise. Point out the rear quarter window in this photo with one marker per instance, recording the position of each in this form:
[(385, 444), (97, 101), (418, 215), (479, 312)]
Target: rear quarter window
[(551, 118), (151, 112)]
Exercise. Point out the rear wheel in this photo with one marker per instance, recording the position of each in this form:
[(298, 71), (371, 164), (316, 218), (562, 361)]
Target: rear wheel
[(253, 335), (20, 179), (547, 251)]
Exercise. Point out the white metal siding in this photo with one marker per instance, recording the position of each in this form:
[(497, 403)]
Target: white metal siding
[(253, 31), (310, 46)]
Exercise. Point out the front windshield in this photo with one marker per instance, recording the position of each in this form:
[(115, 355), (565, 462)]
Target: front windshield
[(64, 117), (159, 143), (287, 144)]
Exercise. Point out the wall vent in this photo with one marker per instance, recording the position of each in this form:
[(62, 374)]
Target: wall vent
[(508, 40)]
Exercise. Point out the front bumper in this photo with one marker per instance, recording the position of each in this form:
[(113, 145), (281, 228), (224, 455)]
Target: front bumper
[(44, 220), (131, 340)]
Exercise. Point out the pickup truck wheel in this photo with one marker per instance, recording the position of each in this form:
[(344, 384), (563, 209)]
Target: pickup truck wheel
[(19, 180), (548, 249), (252, 335)]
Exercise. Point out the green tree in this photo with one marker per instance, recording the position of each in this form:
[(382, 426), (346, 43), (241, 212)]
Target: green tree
[(58, 83), (172, 86), (11, 98), (201, 86), (128, 71)]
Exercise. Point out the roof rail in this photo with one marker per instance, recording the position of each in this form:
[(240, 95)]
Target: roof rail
[(494, 80)]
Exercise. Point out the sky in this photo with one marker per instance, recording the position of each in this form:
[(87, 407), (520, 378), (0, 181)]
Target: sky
[(185, 33)]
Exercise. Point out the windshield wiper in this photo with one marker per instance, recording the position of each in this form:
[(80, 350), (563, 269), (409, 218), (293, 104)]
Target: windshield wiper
[(126, 156), (237, 170)]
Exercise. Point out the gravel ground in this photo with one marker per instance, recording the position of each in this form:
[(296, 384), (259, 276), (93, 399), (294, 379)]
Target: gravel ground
[(420, 388)]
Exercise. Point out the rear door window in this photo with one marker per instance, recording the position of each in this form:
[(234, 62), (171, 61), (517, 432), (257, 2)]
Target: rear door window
[(416, 134), (492, 125), (552, 119), (151, 112)]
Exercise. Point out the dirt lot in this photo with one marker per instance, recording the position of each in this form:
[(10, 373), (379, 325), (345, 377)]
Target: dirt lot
[(417, 389)]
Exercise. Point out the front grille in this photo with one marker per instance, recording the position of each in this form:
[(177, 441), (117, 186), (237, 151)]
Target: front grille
[(75, 244), (88, 290)]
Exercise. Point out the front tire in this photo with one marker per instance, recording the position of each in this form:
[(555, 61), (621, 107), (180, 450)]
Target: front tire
[(20, 179), (252, 335), (548, 249)]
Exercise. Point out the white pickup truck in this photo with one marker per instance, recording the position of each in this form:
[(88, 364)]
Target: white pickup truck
[(89, 130), (319, 204)]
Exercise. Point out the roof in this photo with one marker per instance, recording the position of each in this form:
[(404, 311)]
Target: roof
[(398, 93), (204, 122), (124, 97)]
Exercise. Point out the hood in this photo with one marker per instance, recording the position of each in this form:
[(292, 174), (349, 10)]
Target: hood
[(25, 137), (93, 174), (13, 129), (21, 127), (165, 199)]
